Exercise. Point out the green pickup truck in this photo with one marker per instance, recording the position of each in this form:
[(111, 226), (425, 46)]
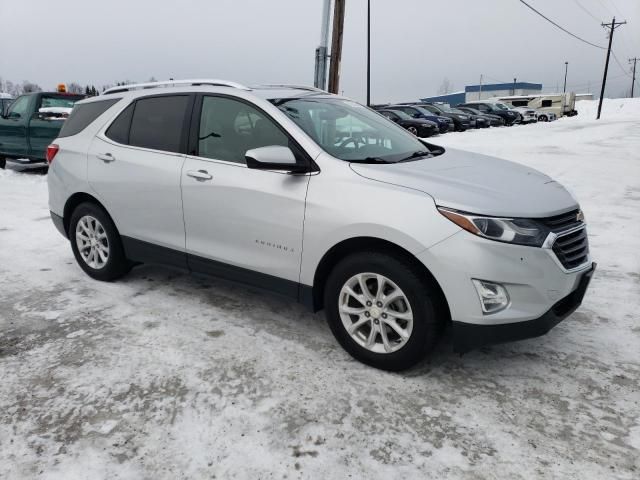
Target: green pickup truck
[(32, 121)]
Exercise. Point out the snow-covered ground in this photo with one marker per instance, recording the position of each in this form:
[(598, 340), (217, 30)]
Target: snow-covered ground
[(167, 375)]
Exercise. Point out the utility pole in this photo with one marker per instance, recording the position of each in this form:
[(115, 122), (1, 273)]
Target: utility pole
[(336, 46), (513, 92), (368, 53), (566, 67), (480, 91), (320, 76), (633, 78), (612, 27)]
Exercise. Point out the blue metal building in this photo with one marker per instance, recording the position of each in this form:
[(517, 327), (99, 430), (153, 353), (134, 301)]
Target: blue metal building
[(479, 92)]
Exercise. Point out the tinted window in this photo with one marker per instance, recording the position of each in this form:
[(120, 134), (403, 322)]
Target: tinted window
[(119, 129), (520, 103), (157, 122), (228, 128), (82, 115), (546, 103)]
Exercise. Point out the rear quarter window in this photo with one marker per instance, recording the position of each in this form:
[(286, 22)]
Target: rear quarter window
[(83, 115)]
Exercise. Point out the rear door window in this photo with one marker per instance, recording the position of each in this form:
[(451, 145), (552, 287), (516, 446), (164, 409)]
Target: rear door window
[(83, 114), (158, 123), (119, 129)]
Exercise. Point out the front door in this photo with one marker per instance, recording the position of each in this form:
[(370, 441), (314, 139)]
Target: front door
[(134, 168), (242, 223), (13, 127)]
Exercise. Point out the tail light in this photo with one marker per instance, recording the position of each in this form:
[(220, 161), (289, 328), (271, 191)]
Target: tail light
[(51, 152)]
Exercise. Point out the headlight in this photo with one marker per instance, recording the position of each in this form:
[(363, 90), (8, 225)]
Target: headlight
[(520, 231)]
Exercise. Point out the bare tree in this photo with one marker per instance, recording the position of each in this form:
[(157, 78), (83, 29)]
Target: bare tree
[(445, 87), (28, 87), (74, 87)]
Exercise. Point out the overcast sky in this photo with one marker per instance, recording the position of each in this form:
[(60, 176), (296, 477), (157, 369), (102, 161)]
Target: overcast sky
[(415, 43)]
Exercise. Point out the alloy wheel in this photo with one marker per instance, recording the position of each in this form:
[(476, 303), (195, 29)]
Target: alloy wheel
[(375, 312), (92, 242)]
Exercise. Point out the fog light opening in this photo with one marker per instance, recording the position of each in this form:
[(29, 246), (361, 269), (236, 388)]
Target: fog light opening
[(493, 296)]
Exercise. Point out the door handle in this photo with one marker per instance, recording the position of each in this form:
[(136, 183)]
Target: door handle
[(199, 175), (106, 157)]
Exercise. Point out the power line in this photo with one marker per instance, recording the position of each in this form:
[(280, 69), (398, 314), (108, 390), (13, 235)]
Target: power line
[(562, 28), (620, 65), (587, 11)]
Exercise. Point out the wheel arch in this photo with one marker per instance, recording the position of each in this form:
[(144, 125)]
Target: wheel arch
[(73, 201), (357, 244)]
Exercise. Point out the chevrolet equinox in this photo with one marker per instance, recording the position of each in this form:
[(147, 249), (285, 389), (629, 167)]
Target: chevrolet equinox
[(318, 198)]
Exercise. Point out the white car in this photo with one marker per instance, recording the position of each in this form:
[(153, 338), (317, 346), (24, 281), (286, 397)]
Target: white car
[(321, 199), (528, 115)]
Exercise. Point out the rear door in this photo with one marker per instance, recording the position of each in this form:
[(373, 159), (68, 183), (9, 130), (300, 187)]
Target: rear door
[(236, 216), (134, 168), (13, 128)]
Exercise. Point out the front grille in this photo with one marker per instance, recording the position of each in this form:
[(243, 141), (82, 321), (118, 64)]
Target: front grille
[(562, 222), (572, 249)]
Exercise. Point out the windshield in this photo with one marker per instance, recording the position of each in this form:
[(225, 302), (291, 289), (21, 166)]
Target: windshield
[(402, 115), (501, 106), (350, 131), (431, 108), (64, 102)]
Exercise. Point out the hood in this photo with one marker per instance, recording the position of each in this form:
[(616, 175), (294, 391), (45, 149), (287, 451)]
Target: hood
[(478, 184)]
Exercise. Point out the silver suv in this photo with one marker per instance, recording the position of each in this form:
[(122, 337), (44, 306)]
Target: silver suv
[(318, 198)]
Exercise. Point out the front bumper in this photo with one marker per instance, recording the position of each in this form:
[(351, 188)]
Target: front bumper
[(469, 336)]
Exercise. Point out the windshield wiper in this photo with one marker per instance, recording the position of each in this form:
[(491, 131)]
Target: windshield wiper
[(369, 160), (418, 154)]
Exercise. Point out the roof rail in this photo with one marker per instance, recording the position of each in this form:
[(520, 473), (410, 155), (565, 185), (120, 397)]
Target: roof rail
[(175, 83), (288, 85)]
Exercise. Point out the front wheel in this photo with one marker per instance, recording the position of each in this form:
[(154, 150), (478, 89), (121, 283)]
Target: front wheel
[(381, 311), (96, 243), (3, 163)]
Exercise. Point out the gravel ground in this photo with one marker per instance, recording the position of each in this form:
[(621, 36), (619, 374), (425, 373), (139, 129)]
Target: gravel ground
[(169, 375)]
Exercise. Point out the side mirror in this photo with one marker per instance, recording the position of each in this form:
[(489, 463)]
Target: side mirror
[(274, 157)]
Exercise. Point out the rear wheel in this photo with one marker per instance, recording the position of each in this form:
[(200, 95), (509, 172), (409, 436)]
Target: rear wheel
[(542, 118), (96, 243), (381, 311)]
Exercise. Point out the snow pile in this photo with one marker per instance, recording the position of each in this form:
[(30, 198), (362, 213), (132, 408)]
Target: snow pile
[(612, 108)]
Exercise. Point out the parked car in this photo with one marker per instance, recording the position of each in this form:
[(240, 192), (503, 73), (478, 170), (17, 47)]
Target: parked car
[(5, 101), (31, 122), (509, 116), (528, 115), (493, 120), (545, 116), (476, 121), (445, 124), (400, 236), (460, 120), (418, 126)]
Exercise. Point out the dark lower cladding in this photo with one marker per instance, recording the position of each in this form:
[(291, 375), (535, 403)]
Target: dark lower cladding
[(145, 252), (59, 223), (469, 336)]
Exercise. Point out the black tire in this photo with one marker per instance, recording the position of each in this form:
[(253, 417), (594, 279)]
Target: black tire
[(427, 326), (3, 163), (117, 264), (542, 118)]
